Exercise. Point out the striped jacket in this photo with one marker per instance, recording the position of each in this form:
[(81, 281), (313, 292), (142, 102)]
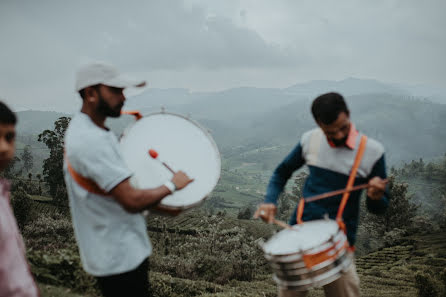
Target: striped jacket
[(329, 168)]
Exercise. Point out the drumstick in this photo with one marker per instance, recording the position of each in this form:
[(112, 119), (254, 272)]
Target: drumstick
[(337, 192), (154, 155), (277, 222), (281, 224)]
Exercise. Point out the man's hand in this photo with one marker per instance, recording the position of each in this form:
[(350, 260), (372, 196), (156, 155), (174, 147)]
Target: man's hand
[(266, 211), (181, 180), (377, 188)]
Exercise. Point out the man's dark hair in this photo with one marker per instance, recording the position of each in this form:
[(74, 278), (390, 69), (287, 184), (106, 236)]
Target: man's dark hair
[(327, 107), (82, 92), (6, 115)]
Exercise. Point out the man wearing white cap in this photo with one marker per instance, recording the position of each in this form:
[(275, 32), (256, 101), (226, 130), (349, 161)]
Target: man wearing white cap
[(106, 210)]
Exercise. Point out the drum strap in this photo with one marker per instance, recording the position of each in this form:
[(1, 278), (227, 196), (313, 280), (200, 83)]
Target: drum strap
[(134, 113), (350, 182), (332, 252), (87, 184), (352, 177)]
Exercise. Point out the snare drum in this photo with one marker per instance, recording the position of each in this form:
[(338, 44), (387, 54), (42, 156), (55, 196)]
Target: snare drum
[(182, 144), (312, 254)]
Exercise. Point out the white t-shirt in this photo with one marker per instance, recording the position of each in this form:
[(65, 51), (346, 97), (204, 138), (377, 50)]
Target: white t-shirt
[(111, 240)]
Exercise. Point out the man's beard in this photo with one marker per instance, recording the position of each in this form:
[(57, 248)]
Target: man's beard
[(106, 110), (339, 142)]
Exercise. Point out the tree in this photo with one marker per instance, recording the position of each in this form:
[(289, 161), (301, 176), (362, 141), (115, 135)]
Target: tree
[(9, 170), (27, 158), (399, 215), (39, 178), (53, 165)]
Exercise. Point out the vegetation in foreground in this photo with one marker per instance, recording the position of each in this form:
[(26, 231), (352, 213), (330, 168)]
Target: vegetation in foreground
[(214, 250)]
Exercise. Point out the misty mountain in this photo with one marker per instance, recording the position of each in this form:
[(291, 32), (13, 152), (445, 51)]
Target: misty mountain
[(347, 87), (409, 129), (262, 125), (33, 122), (233, 103), (216, 106)]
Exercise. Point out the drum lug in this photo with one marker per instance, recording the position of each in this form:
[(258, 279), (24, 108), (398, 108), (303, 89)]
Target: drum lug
[(163, 109)]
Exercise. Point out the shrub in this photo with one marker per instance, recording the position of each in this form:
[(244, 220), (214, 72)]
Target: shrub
[(21, 205), (212, 254), (394, 236), (245, 214), (426, 285), (49, 231), (61, 268)]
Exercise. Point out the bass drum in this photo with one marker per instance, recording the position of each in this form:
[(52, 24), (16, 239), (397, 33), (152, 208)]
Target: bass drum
[(183, 145)]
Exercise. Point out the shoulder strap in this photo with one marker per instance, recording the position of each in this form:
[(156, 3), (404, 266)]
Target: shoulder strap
[(85, 183), (351, 178)]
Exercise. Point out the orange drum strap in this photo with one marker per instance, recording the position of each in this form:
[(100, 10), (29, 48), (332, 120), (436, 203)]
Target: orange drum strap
[(351, 178), (300, 210), (311, 260), (134, 113), (85, 183)]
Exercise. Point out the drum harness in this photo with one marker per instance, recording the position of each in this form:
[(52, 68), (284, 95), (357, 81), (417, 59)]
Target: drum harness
[(314, 259)]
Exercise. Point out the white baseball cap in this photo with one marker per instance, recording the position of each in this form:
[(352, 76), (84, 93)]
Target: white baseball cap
[(102, 73)]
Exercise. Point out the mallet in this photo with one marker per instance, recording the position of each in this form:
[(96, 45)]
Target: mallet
[(154, 155)]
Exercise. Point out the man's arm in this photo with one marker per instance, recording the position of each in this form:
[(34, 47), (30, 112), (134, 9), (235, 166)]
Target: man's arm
[(136, 200), (378, 195), (283, 172)]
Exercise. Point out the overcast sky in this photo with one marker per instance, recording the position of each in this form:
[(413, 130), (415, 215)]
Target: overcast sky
[(205, 45)]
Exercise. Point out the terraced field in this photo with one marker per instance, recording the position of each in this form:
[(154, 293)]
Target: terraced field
[(387, 272), (391, 271)]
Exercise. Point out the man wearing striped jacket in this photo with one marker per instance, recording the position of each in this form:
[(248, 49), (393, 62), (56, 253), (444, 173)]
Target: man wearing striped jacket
[(329, 152)]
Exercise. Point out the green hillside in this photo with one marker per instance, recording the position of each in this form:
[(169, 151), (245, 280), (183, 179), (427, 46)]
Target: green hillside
[(391, 271)]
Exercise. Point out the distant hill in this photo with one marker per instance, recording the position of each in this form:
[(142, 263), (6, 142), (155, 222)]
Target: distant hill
[(33, 122), (347, 87), (250, 118), (409, 129)]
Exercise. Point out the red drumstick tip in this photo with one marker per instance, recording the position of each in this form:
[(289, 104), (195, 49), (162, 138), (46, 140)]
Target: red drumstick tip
[(153, 153)]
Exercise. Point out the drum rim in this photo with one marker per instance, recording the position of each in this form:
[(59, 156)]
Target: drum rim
[(303, 251), (205, 131)]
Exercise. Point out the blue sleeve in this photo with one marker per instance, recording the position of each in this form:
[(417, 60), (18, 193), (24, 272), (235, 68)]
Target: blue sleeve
[(282, 173), (379, 206)]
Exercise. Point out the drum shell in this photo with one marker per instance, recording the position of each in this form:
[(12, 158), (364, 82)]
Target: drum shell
[(318, 278)]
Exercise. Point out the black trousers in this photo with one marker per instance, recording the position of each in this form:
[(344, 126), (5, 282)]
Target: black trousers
[(134, 283)]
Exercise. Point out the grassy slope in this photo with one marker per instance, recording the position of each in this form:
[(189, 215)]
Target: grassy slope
[(53, 291), (387, 272)]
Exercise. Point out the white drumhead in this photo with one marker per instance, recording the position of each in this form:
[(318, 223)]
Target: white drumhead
[(301, 237), (183, 145)]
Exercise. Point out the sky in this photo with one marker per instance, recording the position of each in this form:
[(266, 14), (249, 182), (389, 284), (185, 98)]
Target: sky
[(211, 45)]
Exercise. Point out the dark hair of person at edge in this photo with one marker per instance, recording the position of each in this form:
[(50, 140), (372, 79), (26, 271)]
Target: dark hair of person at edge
[(6, 115)]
